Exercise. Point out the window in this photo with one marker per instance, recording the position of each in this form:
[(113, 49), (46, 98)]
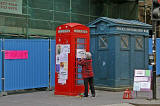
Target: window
[(124, 42), (103, 42), (139, 43)]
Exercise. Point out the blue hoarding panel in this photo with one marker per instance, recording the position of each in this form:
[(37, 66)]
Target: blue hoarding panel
[(52, 64), (27, 73), (0, 65), (157, 55), (150, 46)]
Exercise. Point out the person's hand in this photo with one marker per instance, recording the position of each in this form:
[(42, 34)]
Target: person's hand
[(82, 57)]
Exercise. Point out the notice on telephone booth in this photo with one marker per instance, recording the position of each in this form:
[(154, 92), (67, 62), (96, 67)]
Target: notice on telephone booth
[(81, 53), (62, 51)]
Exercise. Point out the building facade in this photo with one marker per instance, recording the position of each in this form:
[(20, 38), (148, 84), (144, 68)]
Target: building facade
[(40, 18)]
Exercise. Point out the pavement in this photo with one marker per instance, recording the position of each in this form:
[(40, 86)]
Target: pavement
[(103, 98)]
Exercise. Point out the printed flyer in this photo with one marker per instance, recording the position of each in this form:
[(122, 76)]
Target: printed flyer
[(62, 51), (142, 80)]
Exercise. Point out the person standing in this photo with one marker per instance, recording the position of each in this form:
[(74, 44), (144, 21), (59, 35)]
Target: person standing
[(87, 73)]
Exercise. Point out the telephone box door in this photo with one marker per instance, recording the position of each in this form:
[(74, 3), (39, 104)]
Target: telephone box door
[(80, 48)]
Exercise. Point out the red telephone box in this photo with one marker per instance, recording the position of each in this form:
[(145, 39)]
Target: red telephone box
[(72, 41)]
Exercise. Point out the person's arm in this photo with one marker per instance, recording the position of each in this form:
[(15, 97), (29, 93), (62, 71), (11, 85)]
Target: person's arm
[(81, 62)]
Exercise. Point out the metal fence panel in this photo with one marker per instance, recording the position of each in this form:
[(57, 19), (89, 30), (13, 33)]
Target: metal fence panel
[(27, 73), (52, 63)]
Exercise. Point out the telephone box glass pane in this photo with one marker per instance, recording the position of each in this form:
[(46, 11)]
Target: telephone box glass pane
[(80, 43), (79, 82), (80, 46), (80, 40), (79, 69)]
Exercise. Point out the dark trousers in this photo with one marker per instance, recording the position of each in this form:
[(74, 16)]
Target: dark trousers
[(91, 84)]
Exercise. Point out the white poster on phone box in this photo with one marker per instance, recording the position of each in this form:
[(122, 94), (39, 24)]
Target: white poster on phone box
[(81, 53)]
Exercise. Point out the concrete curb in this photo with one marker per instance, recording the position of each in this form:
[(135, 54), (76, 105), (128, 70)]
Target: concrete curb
[(112, 89), (122, 104)]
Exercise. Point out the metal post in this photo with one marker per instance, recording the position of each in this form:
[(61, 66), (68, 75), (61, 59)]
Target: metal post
[(27, 21), (89, 11), (2, 77), (145, 14), (50, 63), (53, 12), (70, 12), (3, 93), (154, 64)]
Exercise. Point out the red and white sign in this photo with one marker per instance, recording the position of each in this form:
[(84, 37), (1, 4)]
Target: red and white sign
[(11, 6)]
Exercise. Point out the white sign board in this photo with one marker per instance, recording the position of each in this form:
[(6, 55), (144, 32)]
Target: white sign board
[(139, 73), (11, 6), (142, 80)]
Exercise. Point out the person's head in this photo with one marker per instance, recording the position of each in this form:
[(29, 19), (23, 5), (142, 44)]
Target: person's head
[(88, 55)]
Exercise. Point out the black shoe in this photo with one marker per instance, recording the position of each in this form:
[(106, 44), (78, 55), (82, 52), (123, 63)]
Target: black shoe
[(85, 95), (93, 95)]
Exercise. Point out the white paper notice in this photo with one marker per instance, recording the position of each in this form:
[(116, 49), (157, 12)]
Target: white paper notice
[(63, 57), (66, 48), (62, 51), (63, 76), (58, 49), (62, 81), (139, 72), (58, 59), (145, 85), (136, 86), (140, 79), (80, 53)]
